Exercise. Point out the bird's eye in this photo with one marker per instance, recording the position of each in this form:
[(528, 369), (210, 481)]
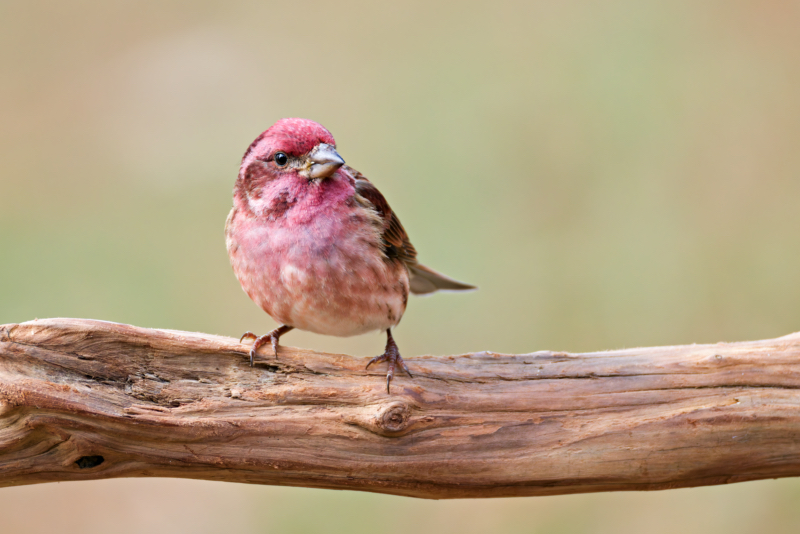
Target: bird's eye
[(281, 159)]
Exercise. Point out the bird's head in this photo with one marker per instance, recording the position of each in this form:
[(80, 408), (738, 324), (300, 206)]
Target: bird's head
[(289, 149)]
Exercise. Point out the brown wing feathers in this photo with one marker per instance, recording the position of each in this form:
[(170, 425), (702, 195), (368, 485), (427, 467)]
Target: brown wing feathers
[(395, 238), (397, 245)]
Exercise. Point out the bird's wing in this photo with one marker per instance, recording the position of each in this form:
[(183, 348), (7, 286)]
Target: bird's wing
[(397, 245), (395, 239)]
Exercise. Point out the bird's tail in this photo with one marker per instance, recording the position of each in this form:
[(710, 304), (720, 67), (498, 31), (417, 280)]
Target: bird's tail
[(425, 280)]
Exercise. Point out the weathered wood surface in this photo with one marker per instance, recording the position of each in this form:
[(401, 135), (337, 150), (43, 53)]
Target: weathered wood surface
[(82, 399)]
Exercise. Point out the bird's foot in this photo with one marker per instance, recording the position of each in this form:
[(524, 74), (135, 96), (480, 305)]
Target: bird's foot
[(258, 341), (391, 355)]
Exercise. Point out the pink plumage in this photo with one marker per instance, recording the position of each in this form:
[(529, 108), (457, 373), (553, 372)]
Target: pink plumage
[(316, 245)]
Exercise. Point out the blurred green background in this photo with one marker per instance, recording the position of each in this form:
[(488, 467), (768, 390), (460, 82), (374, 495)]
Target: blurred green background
[(611, 174)]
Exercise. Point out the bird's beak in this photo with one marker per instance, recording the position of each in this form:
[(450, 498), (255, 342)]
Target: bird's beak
[(324, 161)]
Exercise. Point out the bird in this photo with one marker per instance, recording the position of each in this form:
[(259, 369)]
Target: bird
[(316, 246)]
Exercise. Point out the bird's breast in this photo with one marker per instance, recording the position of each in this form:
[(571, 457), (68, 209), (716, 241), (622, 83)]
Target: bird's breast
[(320, 270)]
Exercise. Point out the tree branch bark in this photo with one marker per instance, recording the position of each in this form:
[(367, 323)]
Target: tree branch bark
[(82, 399)]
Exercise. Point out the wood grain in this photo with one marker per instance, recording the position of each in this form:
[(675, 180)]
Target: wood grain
[(83, 399)]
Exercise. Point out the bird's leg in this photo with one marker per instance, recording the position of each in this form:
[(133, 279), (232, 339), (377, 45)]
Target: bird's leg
[(391, 355), (258, 341)]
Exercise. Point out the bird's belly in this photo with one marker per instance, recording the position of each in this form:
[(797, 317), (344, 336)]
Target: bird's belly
[(337, 284)]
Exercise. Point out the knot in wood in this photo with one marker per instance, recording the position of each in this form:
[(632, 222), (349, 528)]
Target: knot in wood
[(394, 417)]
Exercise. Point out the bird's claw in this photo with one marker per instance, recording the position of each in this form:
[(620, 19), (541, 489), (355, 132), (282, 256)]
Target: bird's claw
[(258, 341), (391, 355)]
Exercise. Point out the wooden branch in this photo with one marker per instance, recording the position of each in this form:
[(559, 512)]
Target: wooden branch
[(84, 399)]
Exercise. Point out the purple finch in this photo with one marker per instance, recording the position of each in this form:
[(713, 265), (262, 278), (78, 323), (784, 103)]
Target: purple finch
[(316, 245)]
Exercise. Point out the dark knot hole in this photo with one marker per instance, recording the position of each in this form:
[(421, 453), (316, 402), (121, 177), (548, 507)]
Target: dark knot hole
[(86, 462)]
